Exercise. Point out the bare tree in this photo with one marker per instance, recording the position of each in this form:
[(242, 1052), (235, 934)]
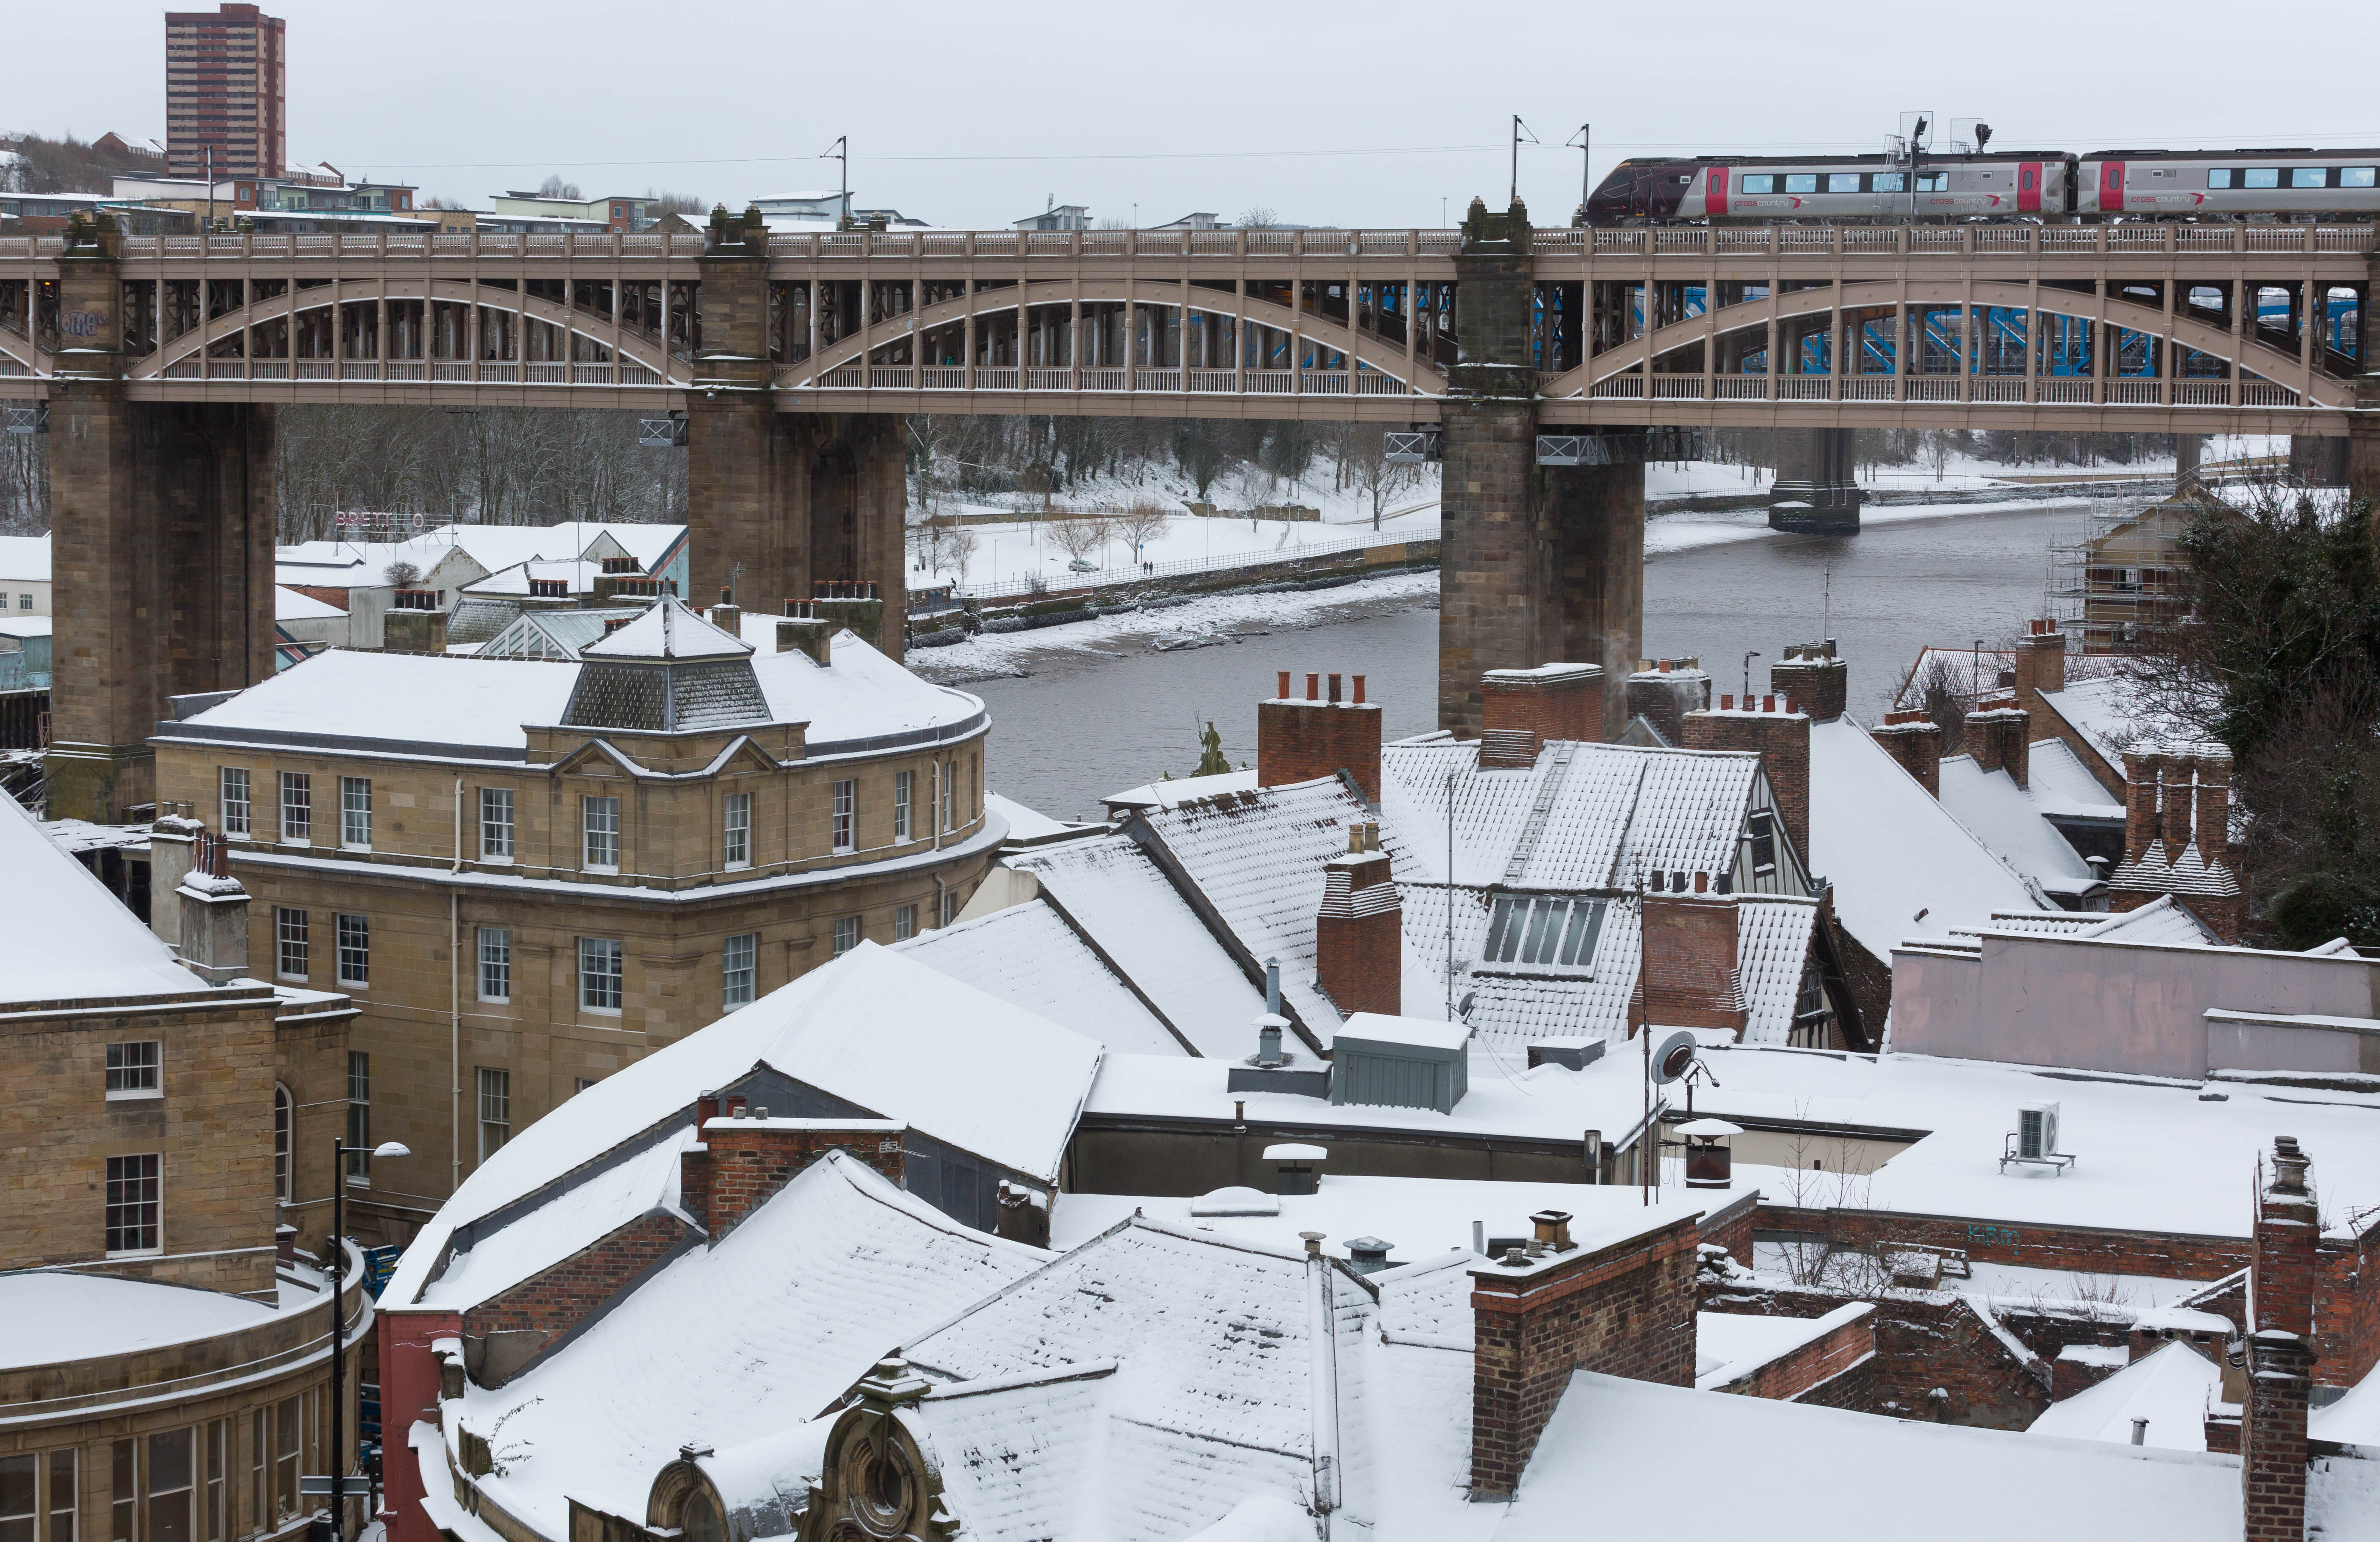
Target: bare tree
[(1141, 522), (1367, 468), (555, 186), (1260, 217), (402, 574), (1082, 535)]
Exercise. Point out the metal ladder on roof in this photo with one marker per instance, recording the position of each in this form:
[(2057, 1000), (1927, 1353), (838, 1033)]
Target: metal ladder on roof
[(1547, 790)]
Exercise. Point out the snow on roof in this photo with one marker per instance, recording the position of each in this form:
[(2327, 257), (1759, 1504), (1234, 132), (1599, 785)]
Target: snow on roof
[(1116, 894), (541, 1237), (1891, 851), (2063, 785), (1420, 1218), (2107, 712), (1178, 790), (2008, 819), (1028, 824), (727, 1344), (423, 698), (1618, 1450), (864, 695), (290, 605), (669, 630), (48, 1318), (68, 937), (1217, 1339), (25, 558), (1731, 1344), (1028, 956), (1416, 1032), (578, 578), (16, 623), (2354, 1419), (2171, 1388)]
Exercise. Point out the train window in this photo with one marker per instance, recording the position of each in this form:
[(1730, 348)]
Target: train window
[(2308, 176), (1801, 182), (1759, 182), (1932, 181), (1842, 182), (2261, 177), (2221, 178), (2356, 176), (1890, 182)]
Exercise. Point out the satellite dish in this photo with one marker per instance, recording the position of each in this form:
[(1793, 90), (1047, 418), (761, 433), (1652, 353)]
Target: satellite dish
[(1676, 1053)]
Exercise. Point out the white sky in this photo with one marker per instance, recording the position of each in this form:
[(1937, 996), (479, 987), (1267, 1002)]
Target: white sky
[(975, 114)]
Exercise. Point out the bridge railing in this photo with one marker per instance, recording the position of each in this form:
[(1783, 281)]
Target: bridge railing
[(1233, 243), (1973, 390)]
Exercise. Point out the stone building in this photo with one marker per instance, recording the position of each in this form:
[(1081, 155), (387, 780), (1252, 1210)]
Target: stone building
[(529, 872), (163, 1341)]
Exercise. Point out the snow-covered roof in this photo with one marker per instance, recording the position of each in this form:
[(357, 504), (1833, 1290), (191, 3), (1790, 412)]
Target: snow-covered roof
[(1619, 1451), (25, 558), (578, 578), (1732, 1344), (2163, 921), (1028, 825), (2352, 1420), (16, 623), (47, 1318), (500, 1256), (290, 605), (2063, 785), (2171, 1386), (68, 937), (2107, 712), (735, 1345), (2008, 819), (669, 630), (1029, 957), (1176, 790), (1900, 862), (479, 706), (542, 633), (1114, 892)]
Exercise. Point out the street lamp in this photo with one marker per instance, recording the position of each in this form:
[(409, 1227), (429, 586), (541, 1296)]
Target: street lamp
[(341, 1151)]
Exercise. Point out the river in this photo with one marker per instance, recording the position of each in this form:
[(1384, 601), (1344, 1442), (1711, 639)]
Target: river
[(1084, 720)]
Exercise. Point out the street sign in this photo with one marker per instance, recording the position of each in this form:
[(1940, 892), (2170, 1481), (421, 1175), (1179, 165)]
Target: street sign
[(318, 1486)]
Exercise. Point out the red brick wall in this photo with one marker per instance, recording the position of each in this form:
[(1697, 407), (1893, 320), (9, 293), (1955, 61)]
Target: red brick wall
[(558, 1299), (2347, 1311), (2068, 1247), (408, 1392), (1690, 962), (1915, 741), (1822, 1359), (1730, 1228), (2280, 1355), (1623, 1310), (1570, 709), (749, 1164), (1358, 936), (1819, 686), (1297, 741), (1782, 740)]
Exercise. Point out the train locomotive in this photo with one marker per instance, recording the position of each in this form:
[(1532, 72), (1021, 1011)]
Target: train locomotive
[(2039, 186)]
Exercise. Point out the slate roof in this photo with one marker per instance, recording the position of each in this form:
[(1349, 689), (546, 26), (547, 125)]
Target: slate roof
[(1029, 957)]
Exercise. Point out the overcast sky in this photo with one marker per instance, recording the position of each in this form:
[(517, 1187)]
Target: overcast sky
[(1372, 114)]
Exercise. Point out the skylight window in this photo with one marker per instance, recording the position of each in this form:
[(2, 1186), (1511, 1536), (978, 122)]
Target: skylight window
[(1546, 932)]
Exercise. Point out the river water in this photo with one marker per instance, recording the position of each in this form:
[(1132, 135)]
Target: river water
[(1084, 721)]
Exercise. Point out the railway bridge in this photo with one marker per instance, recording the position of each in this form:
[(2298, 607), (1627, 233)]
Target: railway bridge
[(1551, 363)]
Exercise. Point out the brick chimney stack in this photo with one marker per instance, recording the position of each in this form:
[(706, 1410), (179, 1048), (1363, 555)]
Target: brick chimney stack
[(1663, 691), (1359, 932), (2211, 826), (2280, 1351), (1914, 740), (747, 1155), (2173, 815), (1771, 726), (1814, 678), (1522, 708), (213, 942), (2040, 661), (1298, 740), (1691, 979), (2001, 733), (2143, 764)]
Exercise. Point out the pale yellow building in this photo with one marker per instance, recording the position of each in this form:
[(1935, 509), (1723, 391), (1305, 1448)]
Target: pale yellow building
[(529, 873)]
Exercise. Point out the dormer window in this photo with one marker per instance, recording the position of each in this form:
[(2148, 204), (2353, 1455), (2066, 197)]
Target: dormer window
[(1543, 933), (1762, 831)]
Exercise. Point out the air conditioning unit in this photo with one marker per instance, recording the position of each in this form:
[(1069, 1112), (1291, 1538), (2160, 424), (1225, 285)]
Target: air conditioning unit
[(2037, 1131)]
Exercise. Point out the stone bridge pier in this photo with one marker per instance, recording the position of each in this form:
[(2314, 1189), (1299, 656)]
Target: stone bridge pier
[(782, 503), (1817, 491), (1539, 563), (163, 521)]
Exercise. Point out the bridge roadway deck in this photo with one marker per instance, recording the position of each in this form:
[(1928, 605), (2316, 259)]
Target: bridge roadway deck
[(1828, 269)]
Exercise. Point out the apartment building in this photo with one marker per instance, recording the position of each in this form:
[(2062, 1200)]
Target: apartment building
[(227, 92), (530, 872)]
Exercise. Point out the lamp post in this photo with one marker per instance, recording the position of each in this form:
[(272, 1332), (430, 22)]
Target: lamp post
[(341, 1151)]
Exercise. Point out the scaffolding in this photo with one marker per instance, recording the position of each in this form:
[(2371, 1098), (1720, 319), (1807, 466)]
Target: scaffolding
[(2119, 582)]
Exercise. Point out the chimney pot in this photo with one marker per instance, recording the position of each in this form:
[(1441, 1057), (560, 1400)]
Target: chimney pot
[(1313, 1244), (1665, 666), (1334, 691), (1314, 688), (1768, 703), (1359, 690), (1282, 693), (1702, 884), (1727, 702)]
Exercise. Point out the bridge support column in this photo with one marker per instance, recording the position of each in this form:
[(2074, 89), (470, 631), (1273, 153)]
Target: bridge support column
[(1538, 564), (2316, 461), (163, 517), (779, 503), (1817, 491)]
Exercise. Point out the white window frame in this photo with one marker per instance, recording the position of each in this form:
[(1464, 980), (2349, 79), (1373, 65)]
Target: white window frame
[(493, 802), (846, 934), (136, 1070), (355, 813), (739, 970), (843, 832), (495, 953), (903, 783), (905, 922), (238, 813), (735, 831), (359, 1163), (285, 1142), (301, 784), (358, 979), (592, 810), (496, 1089), (283, 941), (591, 949), (154, 1202)]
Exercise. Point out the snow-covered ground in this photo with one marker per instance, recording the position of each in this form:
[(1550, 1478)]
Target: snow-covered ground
[(1007, 552)]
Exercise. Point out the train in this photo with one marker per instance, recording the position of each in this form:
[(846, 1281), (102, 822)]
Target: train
[(2040, 186)]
